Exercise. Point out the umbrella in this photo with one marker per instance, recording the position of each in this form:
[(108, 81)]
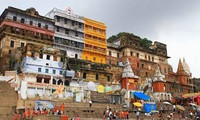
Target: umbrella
[(193, 104), (137, 104), (167, 103), (180, 107)]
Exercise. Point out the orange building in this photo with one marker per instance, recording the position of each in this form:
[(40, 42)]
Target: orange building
[(94, 41)]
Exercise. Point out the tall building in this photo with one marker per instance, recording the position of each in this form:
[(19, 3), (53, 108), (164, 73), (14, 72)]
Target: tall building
[(81, 37), (19, 27), (69, 32), (95, 41)]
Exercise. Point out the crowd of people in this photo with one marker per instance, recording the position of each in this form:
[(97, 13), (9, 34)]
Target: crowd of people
[(30, 113)]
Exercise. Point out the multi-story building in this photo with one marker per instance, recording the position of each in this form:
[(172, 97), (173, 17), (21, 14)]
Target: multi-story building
[(42, 70), (19, 27), (143, 60), (151, 65), (69, 32), (81, 37), (95, 41)]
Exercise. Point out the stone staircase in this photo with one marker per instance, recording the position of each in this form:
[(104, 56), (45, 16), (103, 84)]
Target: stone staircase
[(8, 101)]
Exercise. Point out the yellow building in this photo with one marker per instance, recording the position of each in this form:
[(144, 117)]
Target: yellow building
[(94, 41)]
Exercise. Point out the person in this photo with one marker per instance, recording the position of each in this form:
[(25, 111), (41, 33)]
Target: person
[(55, 110), (16, 117), (138, 114), (174, 107), (191, 114), (77, 118), (62, 107), (28, 113), (24, 115), (33, 112), (90, 103)]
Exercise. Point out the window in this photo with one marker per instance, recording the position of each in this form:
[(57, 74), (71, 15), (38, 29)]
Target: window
[(76, 34), (12, 43), (39, 25), (149, 58), (46, 80), (123, 53), (61, 59), (110, 62), (46, 70), (97, 77), (39, 79), (117, 55), (54, 81), (58, 19), (32, 54), (47, 64), (22, 44), (84, 75), (65, 21), (41, 56), (54, 71), (48, 57), (76, 55), (108, 78), (22, 20), (57, 29), (61, 72), (137, 54), (73, 23), (146, 74), (39, 69), (14, 18), (94, 58), (46, 26), (153, 59), (131, 53), (145, 57), (110, 53), (86, 57), (142, 65), (31, 22), (67, 31), (79, 25)]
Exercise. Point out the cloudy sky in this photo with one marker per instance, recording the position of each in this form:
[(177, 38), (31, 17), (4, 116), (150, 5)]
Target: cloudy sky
[(173, 22)]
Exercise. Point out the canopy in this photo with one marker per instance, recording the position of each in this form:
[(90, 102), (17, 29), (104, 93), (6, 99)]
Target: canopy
[(180, 107), (167, 103), (100, 88), (141, 95), (138, 104)]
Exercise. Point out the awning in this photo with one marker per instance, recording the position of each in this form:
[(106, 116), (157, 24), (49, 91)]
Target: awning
[(141, 95)]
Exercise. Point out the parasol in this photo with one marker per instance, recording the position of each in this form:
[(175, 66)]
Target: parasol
[(167, 103), (180, 107), (137, 104), (193, 104)]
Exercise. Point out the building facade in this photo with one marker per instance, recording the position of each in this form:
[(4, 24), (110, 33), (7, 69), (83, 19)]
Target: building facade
[(69, 32), (95, 41), (19, 27)]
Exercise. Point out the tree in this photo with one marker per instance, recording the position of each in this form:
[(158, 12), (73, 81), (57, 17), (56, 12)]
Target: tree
[(145, 43)]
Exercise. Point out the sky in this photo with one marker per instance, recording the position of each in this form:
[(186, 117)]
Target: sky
[(175, 23)]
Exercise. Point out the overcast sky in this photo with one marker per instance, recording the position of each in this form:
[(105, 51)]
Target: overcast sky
[(173, 22)]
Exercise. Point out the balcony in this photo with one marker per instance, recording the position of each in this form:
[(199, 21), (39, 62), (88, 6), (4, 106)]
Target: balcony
[(26, 34), (75, 27)]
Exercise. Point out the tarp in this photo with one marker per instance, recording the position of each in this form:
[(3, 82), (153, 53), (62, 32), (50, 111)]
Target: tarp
[(141, 95)]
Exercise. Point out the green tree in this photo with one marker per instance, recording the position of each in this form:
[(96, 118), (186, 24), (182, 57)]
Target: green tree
[(145, 43)]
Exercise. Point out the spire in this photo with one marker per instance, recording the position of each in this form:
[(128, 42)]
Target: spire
[(128, 72), (180, 66)]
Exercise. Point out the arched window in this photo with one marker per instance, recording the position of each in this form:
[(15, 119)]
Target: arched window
[(60, 81), (66, 83), (54, 81)]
